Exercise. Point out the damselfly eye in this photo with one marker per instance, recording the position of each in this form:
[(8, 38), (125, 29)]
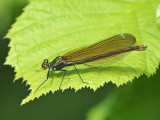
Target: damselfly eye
[(45, 66)]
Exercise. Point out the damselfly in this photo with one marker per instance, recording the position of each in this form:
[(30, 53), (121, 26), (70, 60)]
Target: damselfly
[(104, 52)]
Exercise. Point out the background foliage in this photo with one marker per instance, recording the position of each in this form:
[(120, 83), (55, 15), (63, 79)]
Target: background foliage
[(158, 15), (67, 105)]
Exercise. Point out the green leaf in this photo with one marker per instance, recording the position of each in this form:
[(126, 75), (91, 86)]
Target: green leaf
[(136, 101), (51, 28)]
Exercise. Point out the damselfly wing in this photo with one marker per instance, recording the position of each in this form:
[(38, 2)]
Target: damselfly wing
[(102, 48)]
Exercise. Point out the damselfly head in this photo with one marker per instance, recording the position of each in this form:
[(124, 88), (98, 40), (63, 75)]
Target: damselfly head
[(45, 64)]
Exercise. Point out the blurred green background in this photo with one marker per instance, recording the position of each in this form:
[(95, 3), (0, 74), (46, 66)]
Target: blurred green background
[(135, 101)]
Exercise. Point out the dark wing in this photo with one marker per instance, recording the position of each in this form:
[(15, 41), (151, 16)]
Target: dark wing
[(114, 43)]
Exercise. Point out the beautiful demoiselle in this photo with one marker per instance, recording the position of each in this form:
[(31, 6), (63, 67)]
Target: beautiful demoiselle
[(102, 53)]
